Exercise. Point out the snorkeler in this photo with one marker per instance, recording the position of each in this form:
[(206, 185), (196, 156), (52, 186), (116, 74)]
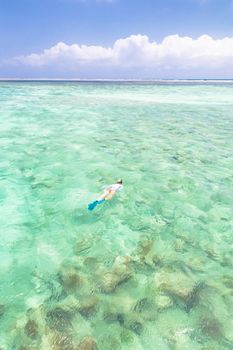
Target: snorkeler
[(108, 194)]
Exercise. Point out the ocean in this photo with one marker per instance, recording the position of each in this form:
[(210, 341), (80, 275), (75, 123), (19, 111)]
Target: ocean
[(150, 269)]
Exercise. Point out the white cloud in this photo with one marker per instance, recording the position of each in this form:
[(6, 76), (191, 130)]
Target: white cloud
[(62, 53), (174, 52)]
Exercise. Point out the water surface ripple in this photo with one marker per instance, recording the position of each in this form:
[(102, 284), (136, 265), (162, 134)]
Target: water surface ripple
[(150, 269)]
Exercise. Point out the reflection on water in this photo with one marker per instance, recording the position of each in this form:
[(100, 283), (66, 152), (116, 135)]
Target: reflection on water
[(153, 267)]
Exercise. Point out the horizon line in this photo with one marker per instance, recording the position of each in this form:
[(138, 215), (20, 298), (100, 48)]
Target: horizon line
[(121, 80)]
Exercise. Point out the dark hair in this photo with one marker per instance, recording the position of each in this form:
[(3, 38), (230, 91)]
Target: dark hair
[(120, 181)]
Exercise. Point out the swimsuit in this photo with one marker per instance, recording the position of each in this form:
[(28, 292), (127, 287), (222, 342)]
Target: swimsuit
[(115, 187)]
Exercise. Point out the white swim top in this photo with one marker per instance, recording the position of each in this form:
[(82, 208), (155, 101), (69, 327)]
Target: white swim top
[(116, 187)]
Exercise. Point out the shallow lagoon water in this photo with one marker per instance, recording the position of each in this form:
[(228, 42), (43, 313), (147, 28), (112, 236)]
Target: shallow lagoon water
[(150, 269)]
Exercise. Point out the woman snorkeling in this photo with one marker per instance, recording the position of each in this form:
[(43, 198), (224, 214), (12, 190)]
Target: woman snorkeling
[(108, 194)]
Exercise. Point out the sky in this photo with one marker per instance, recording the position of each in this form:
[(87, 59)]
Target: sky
[(116, 39)]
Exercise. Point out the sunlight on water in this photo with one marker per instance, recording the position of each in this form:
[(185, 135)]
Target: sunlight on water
[(153, 267)]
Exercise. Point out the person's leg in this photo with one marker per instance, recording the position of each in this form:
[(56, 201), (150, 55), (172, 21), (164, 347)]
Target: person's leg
[(110, 195), (103, 196)]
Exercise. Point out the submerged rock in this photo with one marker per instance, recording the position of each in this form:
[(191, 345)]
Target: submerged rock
[(212, 327), (88, 307), (196, 264), (120, 260), (120, 273), (118, 309), (111, 280), (70, 279), (176, 283), (69, 304), (58, 319), (87, 343), (31, 329), (136, 327), (145, 310), (163, 302), (134, 322), (142, 305), (62, 342), (54, 327), (144, 246)]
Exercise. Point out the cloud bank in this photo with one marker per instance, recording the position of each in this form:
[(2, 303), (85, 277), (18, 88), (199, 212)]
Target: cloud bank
[(173, 54)]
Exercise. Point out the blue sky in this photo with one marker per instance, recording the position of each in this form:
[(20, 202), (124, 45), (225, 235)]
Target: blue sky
[(31, 26)]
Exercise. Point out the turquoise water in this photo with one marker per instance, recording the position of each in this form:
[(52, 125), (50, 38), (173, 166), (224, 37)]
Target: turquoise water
[(150, 269)]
